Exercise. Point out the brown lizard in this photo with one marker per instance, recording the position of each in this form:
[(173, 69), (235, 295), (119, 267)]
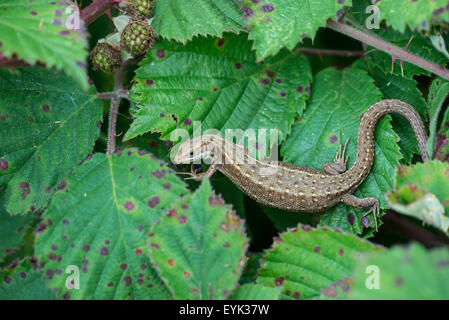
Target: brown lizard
[(294, 188)]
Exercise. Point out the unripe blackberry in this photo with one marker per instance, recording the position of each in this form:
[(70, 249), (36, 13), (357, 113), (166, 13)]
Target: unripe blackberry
[(105, 58), (137, 37), (139, 9)]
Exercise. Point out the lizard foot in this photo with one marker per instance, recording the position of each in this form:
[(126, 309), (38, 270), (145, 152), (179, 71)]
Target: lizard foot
[(375, 209), (199, 176), (340, 156)]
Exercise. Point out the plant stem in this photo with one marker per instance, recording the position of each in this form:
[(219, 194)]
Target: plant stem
[(329, 52), (96, 9), (385, 46), (115, 102)]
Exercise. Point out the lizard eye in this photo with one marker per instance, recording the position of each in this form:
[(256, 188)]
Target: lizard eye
[(191, 153)]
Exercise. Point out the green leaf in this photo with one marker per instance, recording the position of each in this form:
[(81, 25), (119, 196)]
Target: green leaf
[(256, 292), (275, 24), (99, 222), (217, 82), (438, 92), (283, 220), (36, 31), (332, 117), (421, 191), (306, 261), (24, 282), (12, 230), (181, 21), (417, 15), (417, 44), (396, 87), (48, 124), (403, 273), (250, 270), (199, 246)]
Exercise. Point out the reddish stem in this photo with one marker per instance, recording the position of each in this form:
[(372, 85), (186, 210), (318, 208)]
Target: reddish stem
[(391, 49), (96, 9)]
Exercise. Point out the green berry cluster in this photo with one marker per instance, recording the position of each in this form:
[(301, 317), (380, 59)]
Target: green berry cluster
[(139, 9), (137, 37), (105, 58)]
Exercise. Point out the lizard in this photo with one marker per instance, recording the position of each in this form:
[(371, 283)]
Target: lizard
[(295, 188)]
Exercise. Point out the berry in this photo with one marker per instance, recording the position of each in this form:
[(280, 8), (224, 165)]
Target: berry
[(137, 37), (105, 58), (139, 9)]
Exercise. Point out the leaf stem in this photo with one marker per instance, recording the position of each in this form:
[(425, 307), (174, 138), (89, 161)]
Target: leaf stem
[(394, 51), (96, 9), (330, 52)]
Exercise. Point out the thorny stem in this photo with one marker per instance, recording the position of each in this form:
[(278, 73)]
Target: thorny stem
[(385, 46), (96, 9)]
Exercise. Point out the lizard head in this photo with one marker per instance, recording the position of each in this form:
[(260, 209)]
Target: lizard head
[(196, 149)]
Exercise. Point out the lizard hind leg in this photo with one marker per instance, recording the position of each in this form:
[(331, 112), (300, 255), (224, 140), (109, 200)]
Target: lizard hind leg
[(200, 176), (339, 164), (371, 203)]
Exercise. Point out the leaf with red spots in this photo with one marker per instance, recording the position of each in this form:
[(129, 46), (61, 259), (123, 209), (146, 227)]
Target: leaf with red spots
[(338, 100), (275, 24), (401, 274), (421, 191), (13, 230), (199, 247), (48, 124), (418, 15), (24, 282), (99, 223), (303, 261), (252, 291), (37, 32), (181, 21), (232, 92)]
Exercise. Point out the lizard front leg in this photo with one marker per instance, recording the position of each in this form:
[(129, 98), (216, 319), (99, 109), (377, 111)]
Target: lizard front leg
[(339, 164), (371, 203), (200, 176)]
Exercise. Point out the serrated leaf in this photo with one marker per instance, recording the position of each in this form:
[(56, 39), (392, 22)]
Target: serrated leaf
[(415, 14), (256, 292), (199, 246), (180, 20), (402, 273), (12, 230), (275, 24), (306, 261), (36, 31), (333, 116), (48, 124), (217, 82), (99, 222), (438, 92), (417, 44), (24, 283), (421, 191)]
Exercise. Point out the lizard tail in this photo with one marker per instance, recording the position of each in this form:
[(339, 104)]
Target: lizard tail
[(365, 139)]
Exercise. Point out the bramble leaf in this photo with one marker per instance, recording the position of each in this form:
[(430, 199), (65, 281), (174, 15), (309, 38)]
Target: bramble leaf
[(181, 21), (417, 15), (199, 246), (99, 223), (275, 24), (438, 92), (48, 124), (333, 116), (24, 282), (252, 291), (421, 191), (306, 262), (36, 31), (217, 82), (402, 273)]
